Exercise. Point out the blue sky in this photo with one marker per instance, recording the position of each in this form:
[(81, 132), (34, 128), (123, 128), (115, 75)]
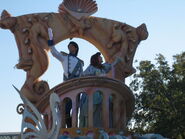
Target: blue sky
[(165, 20)]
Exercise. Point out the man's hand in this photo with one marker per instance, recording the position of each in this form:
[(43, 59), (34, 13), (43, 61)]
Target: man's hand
[(50, 41), (50, 33)]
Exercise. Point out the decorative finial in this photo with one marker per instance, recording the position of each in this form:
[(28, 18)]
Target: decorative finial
[(5, 14), (78, 8)]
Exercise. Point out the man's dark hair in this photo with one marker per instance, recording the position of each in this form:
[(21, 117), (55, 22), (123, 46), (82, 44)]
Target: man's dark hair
[(75, 45), (95, 62)]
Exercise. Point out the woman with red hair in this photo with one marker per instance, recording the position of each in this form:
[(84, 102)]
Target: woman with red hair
[(96, 68)]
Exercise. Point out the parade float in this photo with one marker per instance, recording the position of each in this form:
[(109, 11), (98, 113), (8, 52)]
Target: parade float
[(44, 107)]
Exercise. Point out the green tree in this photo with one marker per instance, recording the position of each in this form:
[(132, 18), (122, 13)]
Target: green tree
[(160, 97)]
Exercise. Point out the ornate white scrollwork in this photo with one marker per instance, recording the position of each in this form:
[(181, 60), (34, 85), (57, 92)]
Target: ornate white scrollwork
[(33, 122)]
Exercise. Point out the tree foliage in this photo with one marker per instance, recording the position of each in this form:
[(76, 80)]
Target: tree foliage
[(160, 97)]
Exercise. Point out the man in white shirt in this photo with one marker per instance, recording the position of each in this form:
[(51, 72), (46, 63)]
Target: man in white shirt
[(72, 65)]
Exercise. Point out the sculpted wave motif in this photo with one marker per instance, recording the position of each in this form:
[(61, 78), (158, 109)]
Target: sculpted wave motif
[(112, 38), (37, 128)]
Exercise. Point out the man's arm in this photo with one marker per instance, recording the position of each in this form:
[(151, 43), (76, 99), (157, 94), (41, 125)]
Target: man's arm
[(54, 51)]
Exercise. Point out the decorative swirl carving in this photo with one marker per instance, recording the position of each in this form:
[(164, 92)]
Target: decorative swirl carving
[(20, 108), (41, 87)]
